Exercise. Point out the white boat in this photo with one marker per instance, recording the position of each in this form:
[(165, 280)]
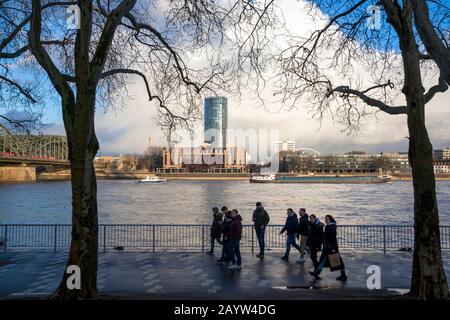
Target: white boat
[(262, 178), (153, 179)]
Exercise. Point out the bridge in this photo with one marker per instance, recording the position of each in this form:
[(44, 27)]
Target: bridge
[(32, 149)]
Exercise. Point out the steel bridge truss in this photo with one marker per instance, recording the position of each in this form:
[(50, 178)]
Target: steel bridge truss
[(41, 147)]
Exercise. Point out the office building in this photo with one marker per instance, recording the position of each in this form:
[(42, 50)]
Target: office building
[(216, 121), (285, 146)]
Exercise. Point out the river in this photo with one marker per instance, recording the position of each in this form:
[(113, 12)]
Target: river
[(186, 202)]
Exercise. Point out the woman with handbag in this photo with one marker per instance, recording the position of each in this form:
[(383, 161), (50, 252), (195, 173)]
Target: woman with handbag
[(330, 257)]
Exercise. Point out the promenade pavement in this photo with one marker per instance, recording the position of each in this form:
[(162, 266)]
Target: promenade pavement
[(184, 275)]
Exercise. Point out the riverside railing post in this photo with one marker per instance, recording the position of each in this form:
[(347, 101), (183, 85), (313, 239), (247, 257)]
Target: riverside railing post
[(203, 238), (54, 238), (384, 239), (153, 235), (6, 237), (104, 238), (253, 240)]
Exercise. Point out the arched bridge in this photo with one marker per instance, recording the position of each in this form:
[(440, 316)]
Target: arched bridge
[(32, 149), (307, 151)]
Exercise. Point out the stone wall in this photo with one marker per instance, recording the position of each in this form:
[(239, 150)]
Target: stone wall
[(17, 174)]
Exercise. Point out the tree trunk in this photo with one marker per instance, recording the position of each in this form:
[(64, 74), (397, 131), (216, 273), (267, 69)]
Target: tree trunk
[(83, 146), (428, 275)]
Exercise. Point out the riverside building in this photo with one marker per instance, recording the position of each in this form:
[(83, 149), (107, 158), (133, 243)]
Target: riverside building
[(204, 159)]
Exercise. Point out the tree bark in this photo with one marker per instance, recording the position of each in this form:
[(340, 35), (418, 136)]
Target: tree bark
[(83, 146), (428, 276)]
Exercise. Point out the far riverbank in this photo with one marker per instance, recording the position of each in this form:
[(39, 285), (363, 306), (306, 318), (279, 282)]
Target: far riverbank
[(102, 175)]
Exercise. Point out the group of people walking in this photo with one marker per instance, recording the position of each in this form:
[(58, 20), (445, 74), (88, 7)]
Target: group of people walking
[(226, 229), (312, 234)]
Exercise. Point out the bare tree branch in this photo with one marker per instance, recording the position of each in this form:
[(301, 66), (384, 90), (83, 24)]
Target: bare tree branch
[(129, 71), (442, 86), (370, 101), (24, 22), (112, 21), (41, 55), (17, 53), (22, 90), (177, 59), (429, 37)]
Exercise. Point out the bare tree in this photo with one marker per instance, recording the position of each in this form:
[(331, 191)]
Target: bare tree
[(23, 88), (89, 67), (396, 59)]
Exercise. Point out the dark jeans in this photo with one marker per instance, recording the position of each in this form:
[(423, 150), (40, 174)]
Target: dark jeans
[(225, 249), (291, 242), (260, 232), (212, 243), (313, 252), (235, 252)]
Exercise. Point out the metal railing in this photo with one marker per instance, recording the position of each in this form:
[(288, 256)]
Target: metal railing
[(196, 237)]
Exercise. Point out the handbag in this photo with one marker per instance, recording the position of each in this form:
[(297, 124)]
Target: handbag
[(334, 259)]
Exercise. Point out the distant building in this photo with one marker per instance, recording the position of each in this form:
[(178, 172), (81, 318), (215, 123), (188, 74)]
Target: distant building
[(352, 162), (104, 162), (127, 162), (438, 155), (397, 162), (446, 154), (216, 121), (442, 166), (285, 146), (204, 159)]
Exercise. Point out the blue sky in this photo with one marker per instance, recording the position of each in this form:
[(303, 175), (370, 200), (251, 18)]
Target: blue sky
[(127, 129)]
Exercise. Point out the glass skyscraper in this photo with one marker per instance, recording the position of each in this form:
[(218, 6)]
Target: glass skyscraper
[(216, 121)]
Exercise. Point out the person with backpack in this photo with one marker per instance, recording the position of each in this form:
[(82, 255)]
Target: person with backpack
[(260, 220)]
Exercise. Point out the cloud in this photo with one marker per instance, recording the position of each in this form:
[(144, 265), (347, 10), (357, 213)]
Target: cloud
[(126, 130)]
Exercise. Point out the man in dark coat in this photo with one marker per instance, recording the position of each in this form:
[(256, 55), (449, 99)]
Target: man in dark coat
[(291, 228), (216, 228), (225, 257), (261, 220), (303, 231), (234, 236), (330, 247), (315, 239)]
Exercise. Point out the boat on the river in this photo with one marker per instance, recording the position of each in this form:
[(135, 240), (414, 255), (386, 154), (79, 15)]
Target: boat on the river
[(153, 179), (272, 178)]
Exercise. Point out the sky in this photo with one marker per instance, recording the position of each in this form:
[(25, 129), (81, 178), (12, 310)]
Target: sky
[(127, 129)]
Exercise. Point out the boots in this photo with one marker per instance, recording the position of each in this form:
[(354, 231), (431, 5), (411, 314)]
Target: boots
[(342, 277)]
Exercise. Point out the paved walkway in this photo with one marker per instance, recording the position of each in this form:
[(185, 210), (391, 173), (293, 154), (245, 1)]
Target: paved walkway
[(196, 275)]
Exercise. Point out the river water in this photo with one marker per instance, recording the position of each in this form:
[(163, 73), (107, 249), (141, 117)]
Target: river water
[(186, 202)]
